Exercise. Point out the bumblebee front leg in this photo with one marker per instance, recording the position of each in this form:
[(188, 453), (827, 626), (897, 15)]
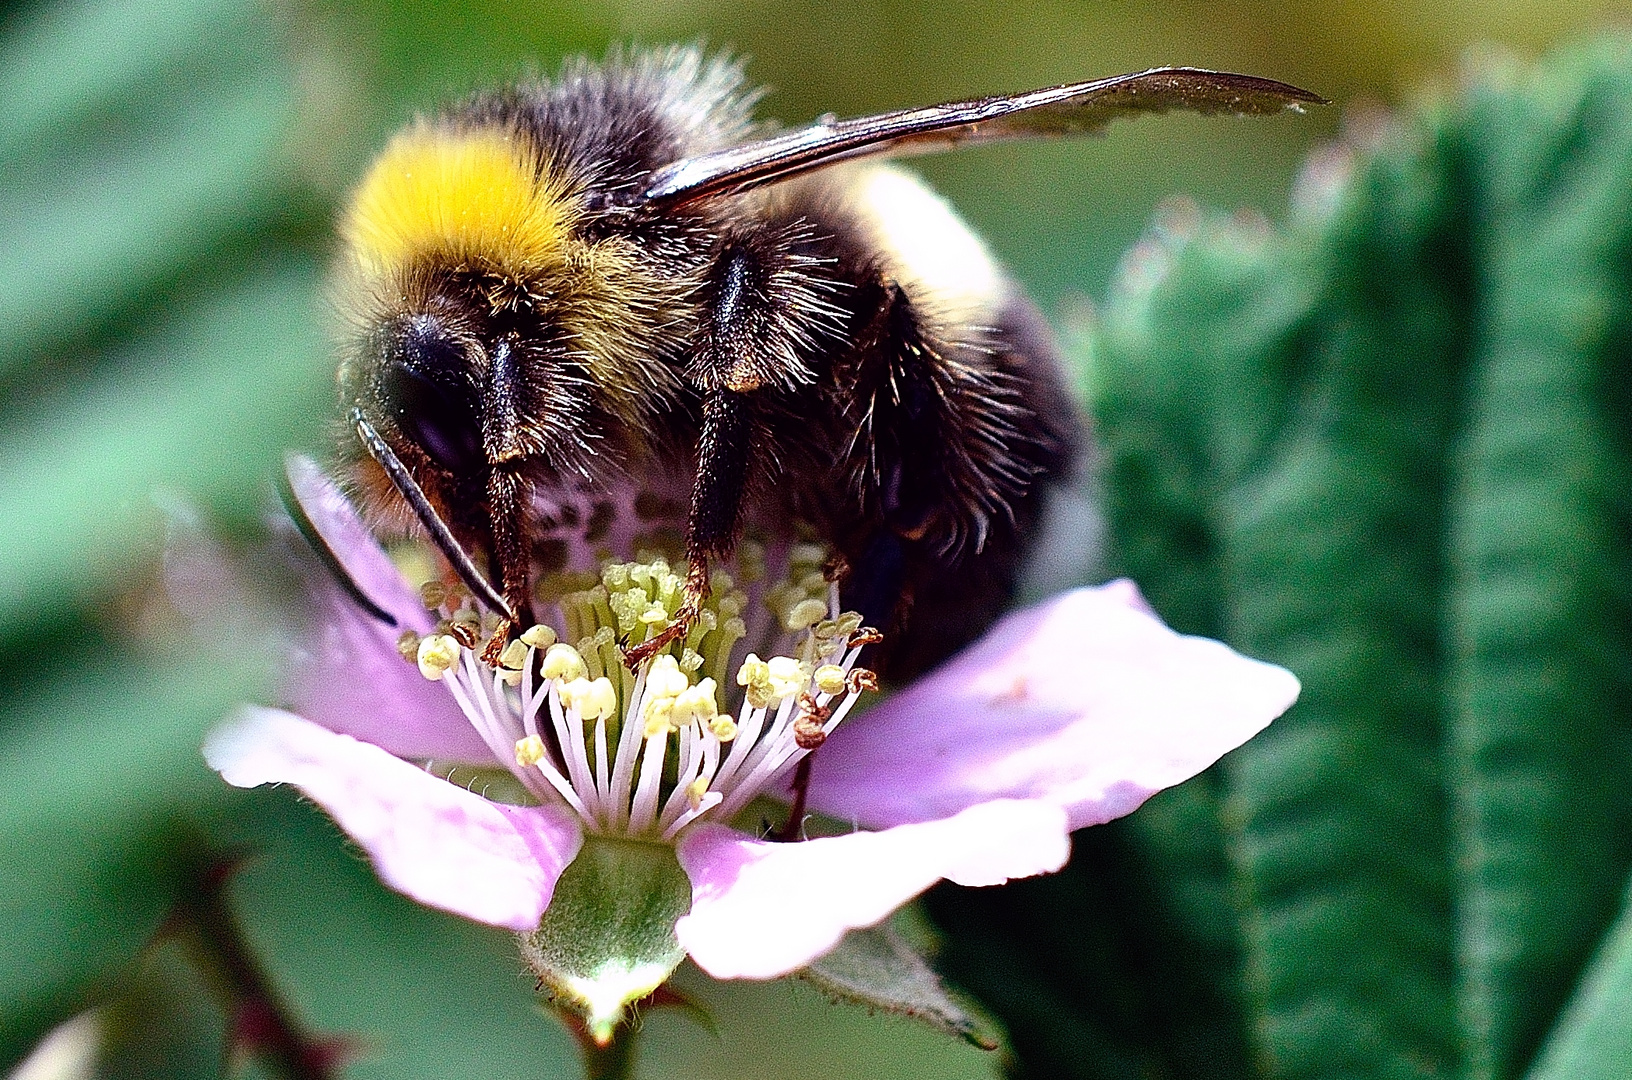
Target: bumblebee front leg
[(504, 494), (716, 505)]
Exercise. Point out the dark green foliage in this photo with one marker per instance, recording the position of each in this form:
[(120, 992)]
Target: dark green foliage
[(1119, 966), (1389, 447), (1541, 616), (162, 336)]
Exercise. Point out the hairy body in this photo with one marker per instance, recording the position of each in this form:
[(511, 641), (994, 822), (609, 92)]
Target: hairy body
[(611, 306)]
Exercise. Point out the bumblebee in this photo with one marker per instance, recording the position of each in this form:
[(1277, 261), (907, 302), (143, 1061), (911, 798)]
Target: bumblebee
[(613, 304)]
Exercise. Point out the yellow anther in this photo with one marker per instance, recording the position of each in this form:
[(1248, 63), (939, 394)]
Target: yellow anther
[(529, 751), (572, 694), (753, 670), (592, 699), (695, 792), (438, 655), (433, 594), (408, 645), (665, 679), (695, 705), (723, 728), (805, 614), (755, 677), (538, 637), (659, 716), (514, 656), (690, 660), (787, 675), (564, 662), (602, 699), (783, 667), (814, 582), (806, 555), (655, 615), (830, 679)]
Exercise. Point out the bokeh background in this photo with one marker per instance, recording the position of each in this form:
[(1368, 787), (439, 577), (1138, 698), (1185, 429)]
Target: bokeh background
[(169, 172)]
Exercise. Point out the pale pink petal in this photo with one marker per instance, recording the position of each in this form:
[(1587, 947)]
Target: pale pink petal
[(202, 580), (336, 520), (1087, 701), (346, 674), (345, 671), (760, 910), (434, 841)]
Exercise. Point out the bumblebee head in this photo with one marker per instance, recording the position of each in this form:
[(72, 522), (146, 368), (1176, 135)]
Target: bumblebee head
[(499, 341), (494, 326), (428, 386)]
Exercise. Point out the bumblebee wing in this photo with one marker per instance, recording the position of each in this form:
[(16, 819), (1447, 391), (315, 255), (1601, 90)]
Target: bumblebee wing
[(1073, 109)]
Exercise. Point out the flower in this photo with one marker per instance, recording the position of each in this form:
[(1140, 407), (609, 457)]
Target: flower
[(1066, 714)]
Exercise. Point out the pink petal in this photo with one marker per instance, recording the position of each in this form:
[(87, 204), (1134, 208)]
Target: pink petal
[(204, 582), (346, 673), (442, 845), (1086, 701), (760, 910), (366, 563)]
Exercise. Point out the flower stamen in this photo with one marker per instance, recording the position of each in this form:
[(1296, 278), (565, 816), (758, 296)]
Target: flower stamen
[(643, 754)]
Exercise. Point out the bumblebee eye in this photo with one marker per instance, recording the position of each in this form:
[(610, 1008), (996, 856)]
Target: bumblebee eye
[(428, 391)]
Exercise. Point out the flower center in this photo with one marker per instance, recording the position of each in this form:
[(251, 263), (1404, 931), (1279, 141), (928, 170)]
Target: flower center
[(695, 732)]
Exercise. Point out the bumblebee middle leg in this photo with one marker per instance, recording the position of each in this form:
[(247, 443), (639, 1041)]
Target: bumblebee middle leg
[(747, 343)]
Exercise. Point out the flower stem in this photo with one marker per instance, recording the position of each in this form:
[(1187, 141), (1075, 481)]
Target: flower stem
[(615, 1060), (259, 1020)]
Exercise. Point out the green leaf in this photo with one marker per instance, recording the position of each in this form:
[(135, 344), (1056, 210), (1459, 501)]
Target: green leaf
[(877, 968), (1593, 1039), (205, 408), (1541, 613), (97, 775), (1123, 964), (136, 137), (421, 995), (1277, 410), (1334, 552), (1188, 379), (787, 1029)]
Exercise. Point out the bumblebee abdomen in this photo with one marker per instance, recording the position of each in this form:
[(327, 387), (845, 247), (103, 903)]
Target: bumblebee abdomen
[(944, 414), (922, 244)]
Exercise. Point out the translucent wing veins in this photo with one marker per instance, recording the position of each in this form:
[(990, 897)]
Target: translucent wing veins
[(1072, 109)]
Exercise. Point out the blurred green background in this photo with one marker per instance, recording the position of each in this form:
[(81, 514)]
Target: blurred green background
[(169, 172)]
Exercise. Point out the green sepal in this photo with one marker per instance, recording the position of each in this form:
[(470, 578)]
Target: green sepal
[(607, 939), (876, 967)]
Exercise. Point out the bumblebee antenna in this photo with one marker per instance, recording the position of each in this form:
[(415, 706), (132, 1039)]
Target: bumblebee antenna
[(441, 535), (325, 554)]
